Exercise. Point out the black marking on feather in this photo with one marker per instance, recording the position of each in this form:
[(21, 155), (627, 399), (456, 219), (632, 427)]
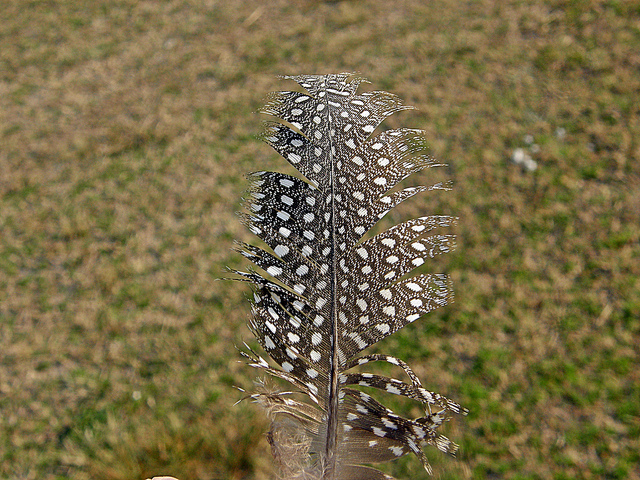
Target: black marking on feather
[(324, 294)]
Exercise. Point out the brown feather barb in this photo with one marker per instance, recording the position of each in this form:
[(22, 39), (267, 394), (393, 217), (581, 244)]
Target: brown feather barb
[(325, 294)]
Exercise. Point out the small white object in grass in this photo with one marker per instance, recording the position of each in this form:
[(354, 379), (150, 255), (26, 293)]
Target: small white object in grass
[(522, 158), (530, 164), (518, 156), (136, 395), (560, 133), (528, 139)]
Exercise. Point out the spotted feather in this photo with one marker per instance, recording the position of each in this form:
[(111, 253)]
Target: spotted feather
[(323, 293)]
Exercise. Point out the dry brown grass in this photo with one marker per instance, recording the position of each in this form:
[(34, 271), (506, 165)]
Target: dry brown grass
[(125, 128)]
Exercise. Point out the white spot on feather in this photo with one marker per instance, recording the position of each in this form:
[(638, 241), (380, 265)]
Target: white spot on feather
[(418, 246), (275, 271), (386, 294), (383, 328), (284, 231), (293, 338), (294, 158), (287, 367), (397, 451), (388, 423), (285, 182), (392, 389)]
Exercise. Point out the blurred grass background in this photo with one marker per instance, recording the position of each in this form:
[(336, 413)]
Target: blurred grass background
[(125, 129)]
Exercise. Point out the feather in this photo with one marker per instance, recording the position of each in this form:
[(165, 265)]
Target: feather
[(323, 293)]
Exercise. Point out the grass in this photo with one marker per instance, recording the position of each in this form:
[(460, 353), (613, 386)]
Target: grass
[(126, 128)]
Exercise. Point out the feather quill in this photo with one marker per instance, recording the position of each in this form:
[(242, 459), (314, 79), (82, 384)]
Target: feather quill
[(323, 294)]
